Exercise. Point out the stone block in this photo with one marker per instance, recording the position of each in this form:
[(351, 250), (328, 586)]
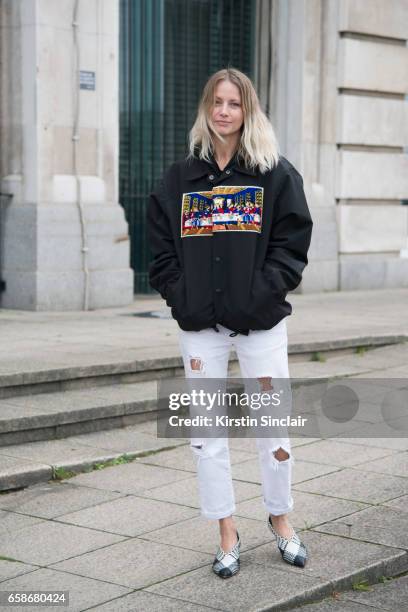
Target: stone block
[(21, 289), (372, 229), (373, 176), (384, 18), (372, 66), (376, 271), (320, 276), (65, 189), (61, 151), (324, 234), (372, 121)]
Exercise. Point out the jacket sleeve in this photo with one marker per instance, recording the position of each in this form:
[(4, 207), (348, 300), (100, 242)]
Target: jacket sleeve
[(290, 236), (164, 268)]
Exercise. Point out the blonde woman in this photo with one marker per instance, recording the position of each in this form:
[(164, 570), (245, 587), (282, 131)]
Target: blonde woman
[(229, 232)]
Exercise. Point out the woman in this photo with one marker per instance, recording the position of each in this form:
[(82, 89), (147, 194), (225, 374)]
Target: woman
[(225, 274)]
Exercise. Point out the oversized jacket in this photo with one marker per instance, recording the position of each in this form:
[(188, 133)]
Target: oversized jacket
[(228, 245)]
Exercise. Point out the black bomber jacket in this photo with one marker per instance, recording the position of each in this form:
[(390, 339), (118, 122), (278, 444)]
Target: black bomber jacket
[(228, 245)]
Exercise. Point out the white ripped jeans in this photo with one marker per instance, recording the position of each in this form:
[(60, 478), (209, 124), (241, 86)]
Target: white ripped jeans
[(261, 354)]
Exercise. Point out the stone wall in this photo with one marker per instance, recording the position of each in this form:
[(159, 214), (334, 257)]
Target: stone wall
[(371, 132), (65, 238), (338, 87)]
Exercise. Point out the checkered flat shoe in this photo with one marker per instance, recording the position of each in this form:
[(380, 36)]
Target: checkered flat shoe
[(226, 564), (293, 551)]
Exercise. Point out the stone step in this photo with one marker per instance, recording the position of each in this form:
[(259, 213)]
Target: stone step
[(56, 415), (47, 416), (23, 465), (39, 379)]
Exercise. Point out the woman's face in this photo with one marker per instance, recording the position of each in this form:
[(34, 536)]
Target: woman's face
[(227, 114)]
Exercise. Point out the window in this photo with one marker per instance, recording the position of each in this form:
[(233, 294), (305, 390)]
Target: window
[(168, 49)]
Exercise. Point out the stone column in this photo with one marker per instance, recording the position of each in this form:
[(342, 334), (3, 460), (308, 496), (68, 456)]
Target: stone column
[(302, 97), (65, 238)]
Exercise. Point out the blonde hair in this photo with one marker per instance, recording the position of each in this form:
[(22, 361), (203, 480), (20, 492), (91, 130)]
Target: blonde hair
[(258, 145)]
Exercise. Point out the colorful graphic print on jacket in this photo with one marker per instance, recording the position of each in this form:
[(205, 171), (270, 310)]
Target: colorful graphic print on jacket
[(231, 208)]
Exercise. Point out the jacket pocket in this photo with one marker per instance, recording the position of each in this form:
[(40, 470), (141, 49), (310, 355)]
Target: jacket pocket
[(266, 302), (176, 294), (263, 291)]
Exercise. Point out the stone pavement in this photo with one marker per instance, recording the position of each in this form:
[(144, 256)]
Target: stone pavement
[(130, 537), (387, 594), (39, 340)]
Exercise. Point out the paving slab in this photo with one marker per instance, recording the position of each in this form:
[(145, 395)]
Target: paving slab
[(130, 516), (11, 569), (391, 594), (202, 535), (306, 470), (339, 318), (133, 477), (379, 524), (142, 600), (53, 499), (46, 542), (357, 485), (186, 491), (395, 464), (399, 503), (83, 592), (256, 587), (335, 558), (339, 454), (309, 509), (129, 563), (11, 521), (379, 442), (125, 440)]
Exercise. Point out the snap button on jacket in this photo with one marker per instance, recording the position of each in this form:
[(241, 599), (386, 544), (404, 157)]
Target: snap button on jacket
[(228, 245)]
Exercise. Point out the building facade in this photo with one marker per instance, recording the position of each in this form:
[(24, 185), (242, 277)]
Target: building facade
[(97, 97)]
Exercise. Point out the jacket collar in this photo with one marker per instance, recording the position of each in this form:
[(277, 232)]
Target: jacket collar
[(197, 168)]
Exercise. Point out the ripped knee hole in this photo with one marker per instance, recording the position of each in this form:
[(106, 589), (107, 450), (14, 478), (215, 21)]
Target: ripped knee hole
[(266, 383), (281, 455), (196, 364)]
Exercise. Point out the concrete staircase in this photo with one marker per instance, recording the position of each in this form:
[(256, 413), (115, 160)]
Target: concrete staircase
[(63, 403), (57, 403)]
